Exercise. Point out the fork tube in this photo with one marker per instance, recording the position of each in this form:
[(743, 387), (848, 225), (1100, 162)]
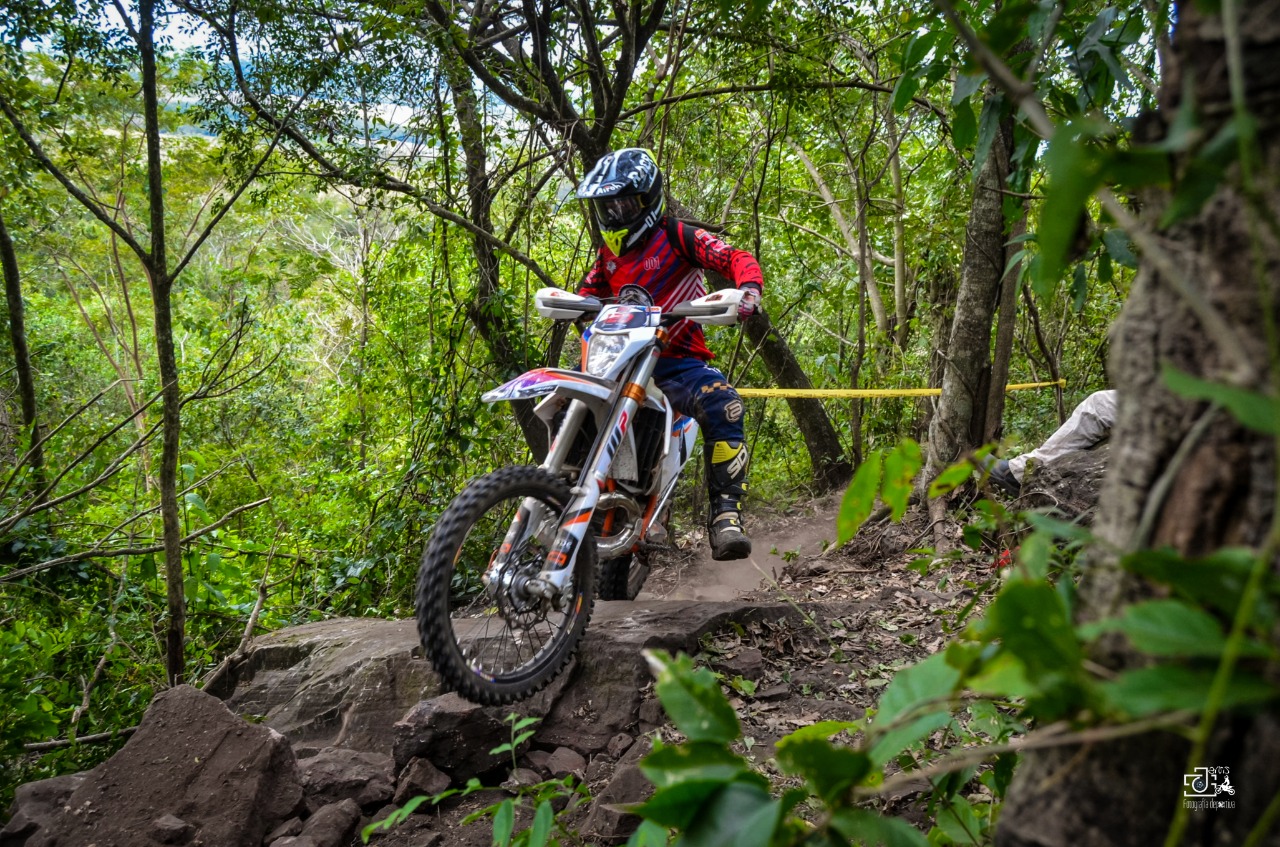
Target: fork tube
[(577, 517), (564, 436)]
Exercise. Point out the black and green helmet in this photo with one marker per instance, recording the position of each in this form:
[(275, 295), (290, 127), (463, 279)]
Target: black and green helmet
[(625, 190)]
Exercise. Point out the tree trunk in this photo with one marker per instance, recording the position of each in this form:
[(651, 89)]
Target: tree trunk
[(958, 422), (1006, 323), (167, 361), (21, 356), (899, 229), (486, 311), (1221, 491)]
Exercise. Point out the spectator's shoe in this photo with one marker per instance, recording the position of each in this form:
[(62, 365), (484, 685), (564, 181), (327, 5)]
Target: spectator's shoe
[(728, 540), (998, 472)]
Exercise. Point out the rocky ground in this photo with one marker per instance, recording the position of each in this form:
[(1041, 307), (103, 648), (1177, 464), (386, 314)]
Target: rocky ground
[(801, 632)]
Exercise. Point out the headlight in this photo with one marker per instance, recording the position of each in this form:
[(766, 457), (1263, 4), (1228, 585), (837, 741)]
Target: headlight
[(603, 352)]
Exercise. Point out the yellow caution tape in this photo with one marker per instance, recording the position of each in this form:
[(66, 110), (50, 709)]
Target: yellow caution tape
[(877, 392)]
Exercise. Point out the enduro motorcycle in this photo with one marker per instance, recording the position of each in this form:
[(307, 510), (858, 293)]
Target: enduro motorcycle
[(508, 581)]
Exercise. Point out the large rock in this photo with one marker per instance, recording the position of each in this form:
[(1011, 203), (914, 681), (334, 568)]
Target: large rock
[(332, 826), (35, 804), (454, 735), (335, 683), (336, 774), (192, 773), (1069, 484), (604, 689)]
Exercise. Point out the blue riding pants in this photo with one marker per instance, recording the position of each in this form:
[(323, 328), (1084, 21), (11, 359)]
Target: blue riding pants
[(703, 393)]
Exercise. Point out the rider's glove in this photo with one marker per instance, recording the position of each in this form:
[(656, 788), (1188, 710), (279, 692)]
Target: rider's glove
[(749, 303)]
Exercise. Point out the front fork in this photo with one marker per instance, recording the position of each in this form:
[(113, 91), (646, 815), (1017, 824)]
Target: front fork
[(576, 522)]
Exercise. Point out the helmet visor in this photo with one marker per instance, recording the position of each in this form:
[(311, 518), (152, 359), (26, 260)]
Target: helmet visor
[(617, 212)]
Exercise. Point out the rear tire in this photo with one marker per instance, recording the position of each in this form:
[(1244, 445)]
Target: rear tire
[(623, 578), (497, 645)]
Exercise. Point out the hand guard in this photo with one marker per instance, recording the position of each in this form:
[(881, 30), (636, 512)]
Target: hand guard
[(750, 302)]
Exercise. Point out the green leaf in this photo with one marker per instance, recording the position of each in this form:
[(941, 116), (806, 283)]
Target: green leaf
[(1002, 676), (964, 126), (900, 469), (693, 700), (899, 738), (649, 834), (542, 820), (859, 499), (1119, 247), (1216, 581), (1079, 288), (1251, 408), (926, 682), (918, 49), (959, 823), (695, 760), (951, 478), (1030, 620), (988, 122), (1172, 628), (1074, 170), (861, 826), (1168, 688), (678, 805), (822, 730), (904, 90), (966, 86), (830, 769), (1033, 557), (739, 815), (1135, 169), (1207, 170), (503, 821), (1057, 528)]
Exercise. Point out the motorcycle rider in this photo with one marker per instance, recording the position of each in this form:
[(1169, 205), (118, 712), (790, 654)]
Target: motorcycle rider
[(643, 246)]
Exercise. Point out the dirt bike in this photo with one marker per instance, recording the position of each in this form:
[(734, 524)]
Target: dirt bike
[(508, 580)]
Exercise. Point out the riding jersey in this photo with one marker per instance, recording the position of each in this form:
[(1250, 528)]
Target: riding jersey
[(670, 267)]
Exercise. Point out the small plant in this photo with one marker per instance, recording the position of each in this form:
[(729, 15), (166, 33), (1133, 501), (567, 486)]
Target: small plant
[(520, 733)]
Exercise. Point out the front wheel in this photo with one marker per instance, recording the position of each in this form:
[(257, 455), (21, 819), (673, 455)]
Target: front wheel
[(491, 638)]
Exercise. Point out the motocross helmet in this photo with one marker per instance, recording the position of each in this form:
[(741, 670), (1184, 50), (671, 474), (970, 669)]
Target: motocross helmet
[(625, 190)]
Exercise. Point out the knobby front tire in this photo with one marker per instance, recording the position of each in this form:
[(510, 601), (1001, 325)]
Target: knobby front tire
[(496, 646)]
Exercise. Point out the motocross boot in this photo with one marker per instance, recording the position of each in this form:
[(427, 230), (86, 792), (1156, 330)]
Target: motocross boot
[(727, 485)]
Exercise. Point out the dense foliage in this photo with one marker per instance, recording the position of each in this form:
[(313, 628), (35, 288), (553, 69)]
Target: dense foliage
[(342, 315)]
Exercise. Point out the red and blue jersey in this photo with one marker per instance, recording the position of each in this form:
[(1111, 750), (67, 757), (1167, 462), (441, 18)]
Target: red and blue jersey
[(670, 265)]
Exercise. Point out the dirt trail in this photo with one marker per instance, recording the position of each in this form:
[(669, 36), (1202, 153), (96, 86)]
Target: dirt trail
[(689, 573)]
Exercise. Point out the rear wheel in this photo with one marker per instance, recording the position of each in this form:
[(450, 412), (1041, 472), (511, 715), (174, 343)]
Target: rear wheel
[(623, 577), (485, 628)]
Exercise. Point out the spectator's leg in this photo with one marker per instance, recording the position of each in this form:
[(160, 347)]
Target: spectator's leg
[(1089, 424)]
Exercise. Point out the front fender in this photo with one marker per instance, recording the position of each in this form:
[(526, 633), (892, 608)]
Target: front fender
[(543, 381)]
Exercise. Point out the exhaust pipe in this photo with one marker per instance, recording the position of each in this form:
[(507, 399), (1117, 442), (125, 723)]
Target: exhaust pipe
[(621, 541)]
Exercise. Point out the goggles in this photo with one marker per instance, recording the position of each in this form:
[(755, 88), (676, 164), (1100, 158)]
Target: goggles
[(615, 212)]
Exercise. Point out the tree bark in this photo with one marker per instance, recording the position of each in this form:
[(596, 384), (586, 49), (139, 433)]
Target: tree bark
[(22, 356), (167, 361), (1219, 491), (958, 423), (899, 229), (1006, 323), (486, 311)]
